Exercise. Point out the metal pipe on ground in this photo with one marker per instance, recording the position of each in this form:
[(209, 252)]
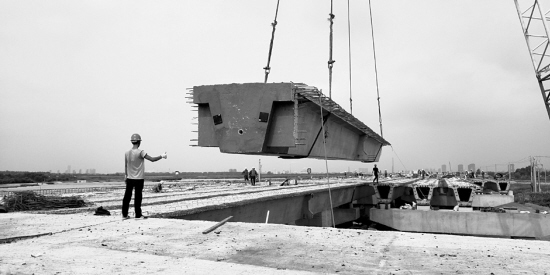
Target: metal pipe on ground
[(217, 225)]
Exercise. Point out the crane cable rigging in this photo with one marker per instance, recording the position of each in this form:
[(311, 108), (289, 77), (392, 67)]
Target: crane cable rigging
[(330, 63), (267, 69), (349, 62), (375, 71), (330, 60)]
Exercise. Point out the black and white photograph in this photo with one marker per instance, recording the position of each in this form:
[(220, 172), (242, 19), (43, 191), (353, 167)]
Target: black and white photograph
[(275, 137)]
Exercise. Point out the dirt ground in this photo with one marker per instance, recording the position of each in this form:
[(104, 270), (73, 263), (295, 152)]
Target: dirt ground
[(87, 244)]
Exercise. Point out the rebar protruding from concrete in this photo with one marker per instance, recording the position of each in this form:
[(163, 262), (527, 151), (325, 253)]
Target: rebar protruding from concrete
[(216, 225)]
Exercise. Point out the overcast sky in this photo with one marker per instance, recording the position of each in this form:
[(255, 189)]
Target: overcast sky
[(78, 78)]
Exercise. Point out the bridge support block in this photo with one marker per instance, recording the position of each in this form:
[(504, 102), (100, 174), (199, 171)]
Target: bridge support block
[(324, 218), (491, 200)]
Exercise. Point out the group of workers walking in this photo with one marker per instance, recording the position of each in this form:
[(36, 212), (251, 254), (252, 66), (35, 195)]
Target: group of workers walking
[(250, 176)]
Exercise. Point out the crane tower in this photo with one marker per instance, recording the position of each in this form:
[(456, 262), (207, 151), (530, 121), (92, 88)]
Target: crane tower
[(534, 22)]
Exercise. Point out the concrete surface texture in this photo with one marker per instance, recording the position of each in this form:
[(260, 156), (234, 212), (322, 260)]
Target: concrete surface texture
[(491, 200), (281, 119), (87, 244), (475, 223)]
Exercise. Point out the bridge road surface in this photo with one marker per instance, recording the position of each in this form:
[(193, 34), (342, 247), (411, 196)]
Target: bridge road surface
[(190, 197), (81, 243)]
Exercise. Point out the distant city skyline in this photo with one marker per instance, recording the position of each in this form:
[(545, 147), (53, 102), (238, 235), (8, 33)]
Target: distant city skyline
[(443, 168)]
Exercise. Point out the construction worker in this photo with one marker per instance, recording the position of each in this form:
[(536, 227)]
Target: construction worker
[(134, 176), (245, 174), (253, 175), (375, 172)]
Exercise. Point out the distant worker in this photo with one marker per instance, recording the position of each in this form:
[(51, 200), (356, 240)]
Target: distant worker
[(245, 174), (253, 175), (423, 173), (375, 172), (134, 168), (482, 174), (385, 173)]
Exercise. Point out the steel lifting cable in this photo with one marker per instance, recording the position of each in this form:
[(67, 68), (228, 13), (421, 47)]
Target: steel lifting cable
[(375, 71), (326, 161), (330, 61), (274, 24), (349, 57), (398, 157)]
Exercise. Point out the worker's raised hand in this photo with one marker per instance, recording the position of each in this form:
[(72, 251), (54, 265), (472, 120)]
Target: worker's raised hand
[(164, 155)]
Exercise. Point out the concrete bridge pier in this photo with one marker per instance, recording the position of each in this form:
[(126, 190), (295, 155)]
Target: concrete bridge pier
[(423, 194), (348, 205), (429, 192), (324, 218), (504, 187), (307, 208)]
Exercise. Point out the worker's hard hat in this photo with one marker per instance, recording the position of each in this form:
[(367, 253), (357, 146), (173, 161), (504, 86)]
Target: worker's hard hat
[(135, 137)]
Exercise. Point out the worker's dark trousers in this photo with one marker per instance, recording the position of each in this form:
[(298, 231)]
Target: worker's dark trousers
[(130, 185), (253, 180), (375, 178)]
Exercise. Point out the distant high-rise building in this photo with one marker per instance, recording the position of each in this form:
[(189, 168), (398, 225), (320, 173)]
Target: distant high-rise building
[(444, 168), (232, 170), (80, 171), (460, 168), (364, 170), (68, 169), (89, 171), (471, 167)]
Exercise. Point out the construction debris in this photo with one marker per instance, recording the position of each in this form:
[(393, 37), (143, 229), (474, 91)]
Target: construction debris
[(100, 211), (29, 200)]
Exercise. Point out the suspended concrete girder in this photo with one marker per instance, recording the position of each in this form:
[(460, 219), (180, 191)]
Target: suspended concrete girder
[(281, 119)]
